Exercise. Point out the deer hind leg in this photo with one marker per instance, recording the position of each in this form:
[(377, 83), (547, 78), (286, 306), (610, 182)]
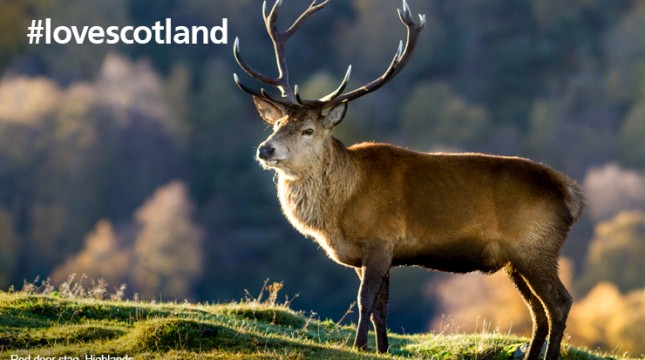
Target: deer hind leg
[(540, 319), (546, 285), (379, 315)]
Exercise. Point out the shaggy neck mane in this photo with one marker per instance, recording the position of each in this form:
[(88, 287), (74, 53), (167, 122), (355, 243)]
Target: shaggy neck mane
[(312, 200)]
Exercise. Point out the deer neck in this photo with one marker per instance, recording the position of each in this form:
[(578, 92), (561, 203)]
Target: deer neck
[(313, 201)]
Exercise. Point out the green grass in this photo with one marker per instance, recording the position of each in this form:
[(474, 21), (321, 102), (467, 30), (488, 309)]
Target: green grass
[(55, 326)]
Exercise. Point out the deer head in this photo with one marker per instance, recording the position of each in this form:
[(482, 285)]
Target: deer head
[(302, 127)]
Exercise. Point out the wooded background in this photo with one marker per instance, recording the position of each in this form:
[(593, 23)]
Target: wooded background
[(135, 163)]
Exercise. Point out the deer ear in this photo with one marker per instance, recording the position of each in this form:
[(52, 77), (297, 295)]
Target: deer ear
[(335, 115), (269, 111)]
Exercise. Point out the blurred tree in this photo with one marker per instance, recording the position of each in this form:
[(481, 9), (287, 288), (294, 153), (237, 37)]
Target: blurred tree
[(13, 16), (151, 255), (550, 13), (625, 50), (545, 125), (168, 245), (8, 248), (434, 116), (616, 253), (141, 135), (628, 326), (27, 107), (216, 109), (46, 237), (498, 64), (611, 189), (567, 25), (72, 156), (126, 86), (577, 112), (103, 257), (605, 319), (631, 137), (16, 14), (27, 101), (589, 318), (177, 93)]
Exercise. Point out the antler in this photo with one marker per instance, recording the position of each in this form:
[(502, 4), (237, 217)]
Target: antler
[(279, 40), (291, 97), (401, 58)]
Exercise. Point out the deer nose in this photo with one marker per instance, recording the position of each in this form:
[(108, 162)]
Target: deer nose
[(265, 152)]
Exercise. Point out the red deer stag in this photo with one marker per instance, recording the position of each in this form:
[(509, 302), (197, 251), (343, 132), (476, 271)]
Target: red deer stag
[(374, 206)]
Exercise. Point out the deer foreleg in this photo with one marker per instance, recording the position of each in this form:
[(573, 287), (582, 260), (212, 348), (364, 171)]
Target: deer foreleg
[(373, 272)]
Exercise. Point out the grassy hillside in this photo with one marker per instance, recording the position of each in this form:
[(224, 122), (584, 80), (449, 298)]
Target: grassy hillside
[(53, 325)]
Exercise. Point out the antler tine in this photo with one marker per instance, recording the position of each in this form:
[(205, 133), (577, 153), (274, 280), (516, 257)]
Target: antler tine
[(249, 70), (271, 18), (279, 47), (341, 87), (322, 102), (413, 32), (244, 87), (275, 98), (310, 10), (331, 101), (261, 93), (401, 58)]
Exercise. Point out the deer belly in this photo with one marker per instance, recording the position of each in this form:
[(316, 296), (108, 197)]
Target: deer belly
[(456, 255)]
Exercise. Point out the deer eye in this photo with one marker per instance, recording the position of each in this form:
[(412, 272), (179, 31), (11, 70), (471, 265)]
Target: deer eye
[(308, 132)]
